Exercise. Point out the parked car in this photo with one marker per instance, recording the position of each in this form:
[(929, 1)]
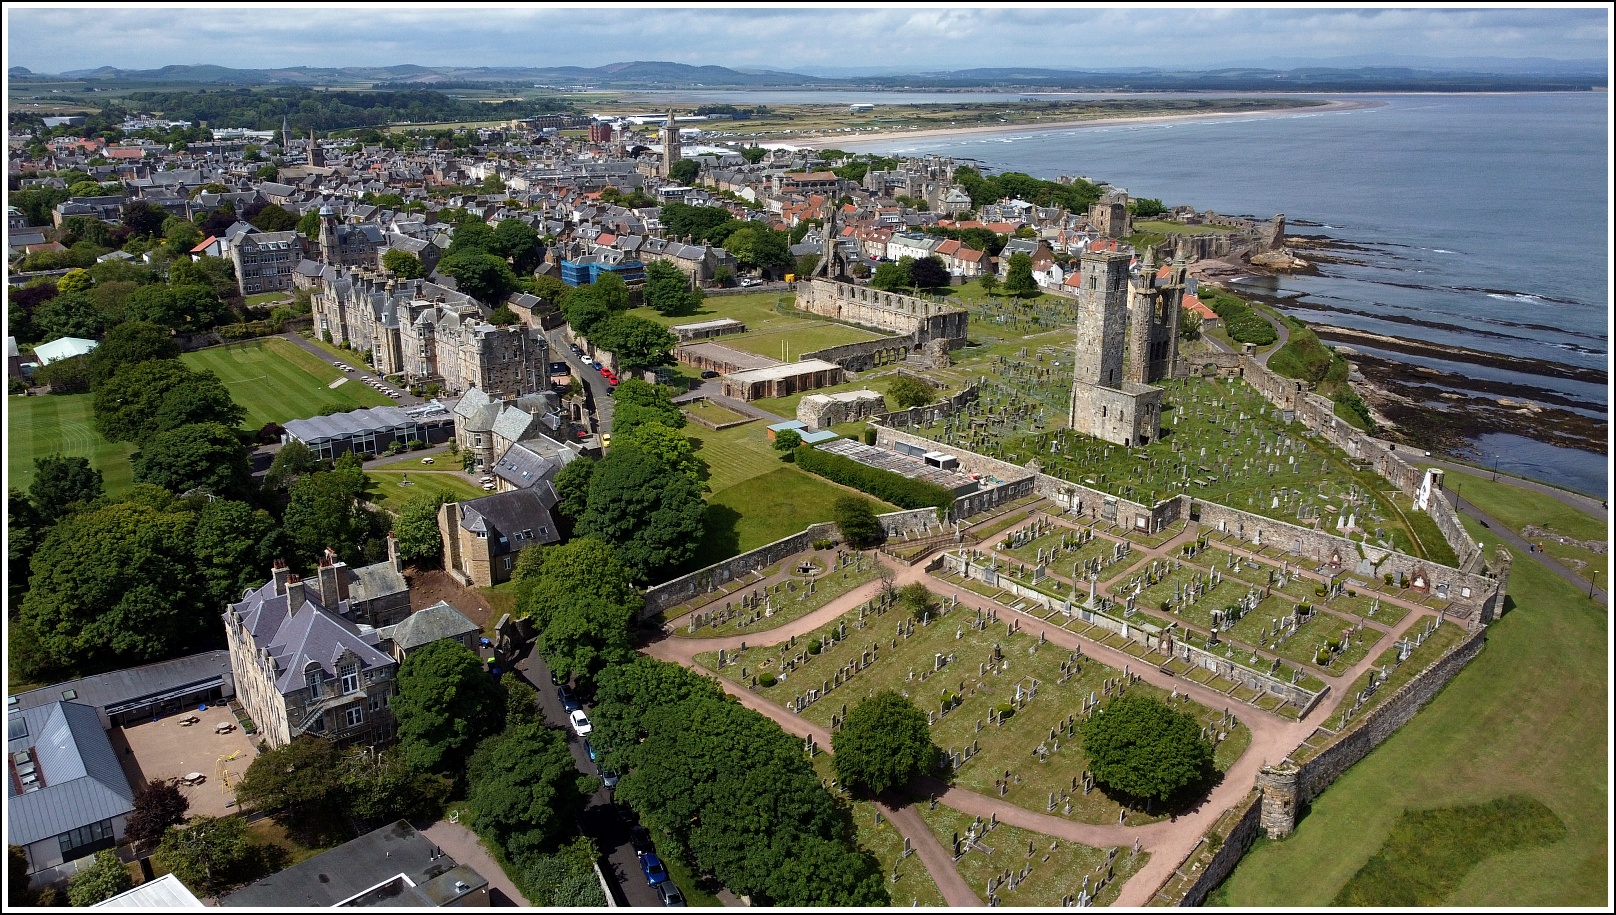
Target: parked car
[(652, 867), (596, 365), (607, 777), (749, 281), (589, 748), (709, 374), (428, 461), (605, 440), (580, 722), (569, 699), (628, 816), (669, 894), (639, 836)]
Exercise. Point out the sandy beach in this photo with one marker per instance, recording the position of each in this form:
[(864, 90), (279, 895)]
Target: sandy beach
[(837, 140)]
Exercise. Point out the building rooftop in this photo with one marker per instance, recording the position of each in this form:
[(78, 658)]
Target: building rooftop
[(784, 370), (718, 352), (112, 692), (67, 774), (882, 459), (391, 866)]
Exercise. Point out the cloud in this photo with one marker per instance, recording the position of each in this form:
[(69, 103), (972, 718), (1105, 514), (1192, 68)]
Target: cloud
[(922, 39)]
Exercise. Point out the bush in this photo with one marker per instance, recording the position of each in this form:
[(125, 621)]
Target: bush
[(1004, 710), (766, 679), (951, 699), (814, 646), (883, 484), (869, 435), (1320, 590), (823, 544)]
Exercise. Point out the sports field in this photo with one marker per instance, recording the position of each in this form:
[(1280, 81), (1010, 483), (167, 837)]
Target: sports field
[(1526, 724), (61, 424), (275, 381)]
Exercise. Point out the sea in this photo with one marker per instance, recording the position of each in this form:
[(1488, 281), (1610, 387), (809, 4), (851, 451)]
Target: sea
[(1476, 220)]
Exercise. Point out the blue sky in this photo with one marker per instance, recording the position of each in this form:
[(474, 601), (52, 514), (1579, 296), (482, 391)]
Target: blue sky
[(800, 38)]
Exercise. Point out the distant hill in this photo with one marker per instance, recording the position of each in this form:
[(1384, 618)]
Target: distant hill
[(1476, 74)]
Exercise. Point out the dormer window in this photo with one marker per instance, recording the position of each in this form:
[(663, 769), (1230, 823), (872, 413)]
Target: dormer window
[(315, 680), (350, 679)]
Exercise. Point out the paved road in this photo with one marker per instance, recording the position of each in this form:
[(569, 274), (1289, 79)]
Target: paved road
[(361, 372), (599, 397), (1597, 508), (600, 819), (1503, 532)]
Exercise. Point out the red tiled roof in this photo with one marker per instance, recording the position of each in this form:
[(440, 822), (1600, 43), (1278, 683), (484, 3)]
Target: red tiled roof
[(203, 244), (1194, 303)]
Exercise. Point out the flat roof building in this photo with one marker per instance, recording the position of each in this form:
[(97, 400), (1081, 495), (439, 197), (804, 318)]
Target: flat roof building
[(783, 379), (370, 430)]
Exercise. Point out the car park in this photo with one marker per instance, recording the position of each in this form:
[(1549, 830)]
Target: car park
[(569, 699), (651, 866), (580, 722), (669, 894)]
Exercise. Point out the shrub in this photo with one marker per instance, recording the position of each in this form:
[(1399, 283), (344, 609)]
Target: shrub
[(823, 544), (883, 484), (766, 679), (869, 435), (814, 646), (1352, 592), (951, 699), (1319, 590), (1387, 577), (1004, 710)]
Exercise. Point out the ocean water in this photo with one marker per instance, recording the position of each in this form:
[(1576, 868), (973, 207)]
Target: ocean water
[(1481, 220)]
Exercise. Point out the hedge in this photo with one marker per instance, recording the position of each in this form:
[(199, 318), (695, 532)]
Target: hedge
[(882, 484)]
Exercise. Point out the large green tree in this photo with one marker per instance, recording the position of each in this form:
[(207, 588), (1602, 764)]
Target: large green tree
[(326, 510), (1018, 277), (1139, 748), (669, 291), (638, 401), (104, 879), (518, 242), (670, 446), (25, 528), (585, 309), (649, 511), (161, 394), (908, 391), (69, 314), (760, 246), (638, 343), (403, 264), (115, 587), (274, 218), (201, 455), (572, 487), (61, 482), (208, 853), (381, 787), (890, 277), (297, 780), (483, 276), (884, 743), (446, 702), (582, 603), (234, 546), (182, 308), (420, 543), (523, 788), (158, 805), (929, 273), (127, 344), (856, 519)]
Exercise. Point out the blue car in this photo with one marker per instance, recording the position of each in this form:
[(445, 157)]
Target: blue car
[(655, 873), (569, 699)]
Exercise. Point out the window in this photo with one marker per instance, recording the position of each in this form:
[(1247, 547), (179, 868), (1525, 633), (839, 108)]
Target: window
[(315, 679), (377, 700), (507, 563), (350, 679), (75, 842), (354, 716)]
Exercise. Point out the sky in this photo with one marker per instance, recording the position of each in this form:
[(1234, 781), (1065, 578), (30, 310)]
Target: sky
[(831, 38)]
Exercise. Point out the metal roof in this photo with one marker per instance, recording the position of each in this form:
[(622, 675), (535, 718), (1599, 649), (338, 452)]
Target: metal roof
[(115, 690), (82, 780), (347, 425), (371, 862)]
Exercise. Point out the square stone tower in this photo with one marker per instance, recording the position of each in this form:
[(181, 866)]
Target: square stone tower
[(1104, 403), (1158, 295)]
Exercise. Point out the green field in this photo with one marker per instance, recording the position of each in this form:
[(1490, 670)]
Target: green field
[(387, 492), (275, 380), (773, 328), (734, 455), (764, 509), (61, 424), (1530, 716), (1518, 508)]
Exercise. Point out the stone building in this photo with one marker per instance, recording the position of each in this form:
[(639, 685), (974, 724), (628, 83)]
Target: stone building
[(342, 245), (486, 426), (821, 411), (1110, 217), (1153, 317), (782, 380), (888, 311), (266, 261), (482, 537), (1104, 403), (670, 145), (307, 654)]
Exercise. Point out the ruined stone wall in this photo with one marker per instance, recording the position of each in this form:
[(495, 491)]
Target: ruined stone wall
[(921, 520), (930, 413), (1289, 787), (701, 581), (889, 311), (1093, 504), (867, 354), (1239, 827), (989, 497), (970, 461)]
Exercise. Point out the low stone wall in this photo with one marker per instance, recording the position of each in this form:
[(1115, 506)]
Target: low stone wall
[(1288, 787), (1078, 499), (930, 413), (886, 437), (990, 497), (896, 524), (701, 421), (675, 592), (1242, 824)]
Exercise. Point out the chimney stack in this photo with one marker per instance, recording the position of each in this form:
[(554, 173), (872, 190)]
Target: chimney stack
[(280, 574), (392, 553), (329, 596), (294, 596)]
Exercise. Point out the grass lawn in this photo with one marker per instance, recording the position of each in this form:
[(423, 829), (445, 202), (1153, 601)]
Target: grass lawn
[(792, 605), (788, 342), (264, 298), (1530, 716), (734, 455), (713, 413), (765, 508), (275, 381), (1521, 508), (62, 424), (386, 492)]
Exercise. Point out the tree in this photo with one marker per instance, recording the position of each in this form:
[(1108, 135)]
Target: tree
[(70, 314), (523, 787), (668, 290), (1189, 324), (582, 603), (181, 235), (572, 487), (326, 511), (267, 173), (183, 308), (908, 391), (1141, 749), (104, 879), (75, 280), (1145, 207), (1019, 281), (613, 291), (208, 853), (381, 788), (273, 217), (420, 543), (446, 702), (856, 519), (585, 310), (127, 344), (787, 440), (638, 343), (473, 235), (503, 316), (25, 528), (640, 401), (292, 461), (890, 277), (666, 445), (518, 242), (884, 743), (929, 272), (917, 599), (215, 273), (403, 264), (650, 513), (684, 171), (297, 779), (61, 483), (485, 277), (759, 246), (158, 805), (143, 217), (200, 455), (64, 376), (114, 587), (17, 893), (158, 395), (234, 544)]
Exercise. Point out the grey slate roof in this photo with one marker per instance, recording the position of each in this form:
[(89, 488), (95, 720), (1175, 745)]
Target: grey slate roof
[(427, 625), (134, 685), (522, 467), (311, 635), (478, 410), (505, 516), (367, 863), (83, 782)]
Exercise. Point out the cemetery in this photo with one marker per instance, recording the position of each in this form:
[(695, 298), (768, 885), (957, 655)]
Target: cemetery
[(1395, 666), (793, 588), (1008, 726), (908, 881), (1009, 866)]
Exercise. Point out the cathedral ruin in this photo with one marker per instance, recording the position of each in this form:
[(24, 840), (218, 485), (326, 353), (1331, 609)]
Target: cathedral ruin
[(1127, 339)]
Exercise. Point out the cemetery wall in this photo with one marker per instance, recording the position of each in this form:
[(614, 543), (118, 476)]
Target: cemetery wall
[(1223, 364), (886, 437), (984, 499), (1077, 499), (701, 581), (1361, 560), (1289, 787), (930, 413), (1244, 822), (896, 524), (866, 354)]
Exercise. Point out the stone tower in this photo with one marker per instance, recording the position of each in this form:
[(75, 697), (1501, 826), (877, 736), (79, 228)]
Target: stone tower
[(1102, 308), (670, 145), (1104, 403), (830, 257), (286, 137), (316, 158), (328, 237), (1153, 322)]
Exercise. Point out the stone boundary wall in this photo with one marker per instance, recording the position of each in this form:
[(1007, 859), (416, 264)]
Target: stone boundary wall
[(1288, 787), (1226, 364), (930, 413), (709, 423), (1077, 499), (1245, 829), (867, 354), (896, 524), (990, 497), (889, 311), (720, 292), (970, 461)]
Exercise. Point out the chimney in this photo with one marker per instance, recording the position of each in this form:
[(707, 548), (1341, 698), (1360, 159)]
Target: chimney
[(392, 553), (281, 574), (329, 597), (294, 596)]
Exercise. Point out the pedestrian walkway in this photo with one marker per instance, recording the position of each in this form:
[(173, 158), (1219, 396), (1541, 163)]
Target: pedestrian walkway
[(465, 847)]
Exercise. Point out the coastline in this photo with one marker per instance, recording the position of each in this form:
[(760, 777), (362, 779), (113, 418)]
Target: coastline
[(836, 141)]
